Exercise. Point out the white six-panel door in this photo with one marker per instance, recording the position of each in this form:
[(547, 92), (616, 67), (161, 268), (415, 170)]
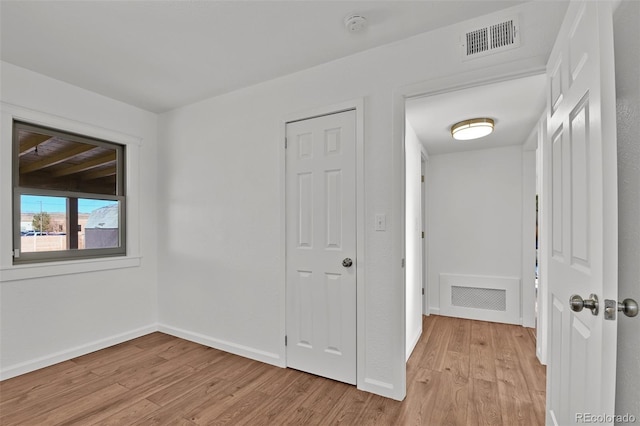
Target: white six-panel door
[(580, 184), (321, 234)]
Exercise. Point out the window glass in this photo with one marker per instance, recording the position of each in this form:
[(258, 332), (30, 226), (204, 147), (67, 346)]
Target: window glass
[(98, 223), (69, 195), (66, 163), (43, 223)]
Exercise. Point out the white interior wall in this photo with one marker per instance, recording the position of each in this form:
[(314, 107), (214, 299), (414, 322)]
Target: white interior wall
[(219, 222), (221, 252), (626, 36), (474, 216), (413, 238), (52, 318)]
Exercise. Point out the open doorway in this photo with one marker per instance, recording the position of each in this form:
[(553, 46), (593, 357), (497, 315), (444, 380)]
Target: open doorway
[(479, 202)]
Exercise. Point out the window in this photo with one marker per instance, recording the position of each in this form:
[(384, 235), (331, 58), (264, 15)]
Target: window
[(69, 195)]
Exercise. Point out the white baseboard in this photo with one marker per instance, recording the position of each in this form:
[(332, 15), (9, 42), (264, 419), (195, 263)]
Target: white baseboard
[(57, 357), (382, 388), (234, 348), (54, 358)]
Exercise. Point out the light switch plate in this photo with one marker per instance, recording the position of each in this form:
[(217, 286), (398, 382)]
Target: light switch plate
[(381, 222)]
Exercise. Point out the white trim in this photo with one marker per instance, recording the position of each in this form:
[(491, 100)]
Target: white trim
[(11, 272), (358, 105), (65, 355), (50, 269), (379, 384), (528, 292), (425, 242), (398, 246), (474, 78), (223, 345), (542, 332), (62, 123), (54, 358)]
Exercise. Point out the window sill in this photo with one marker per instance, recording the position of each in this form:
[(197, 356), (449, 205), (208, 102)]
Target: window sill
[(50, 269)]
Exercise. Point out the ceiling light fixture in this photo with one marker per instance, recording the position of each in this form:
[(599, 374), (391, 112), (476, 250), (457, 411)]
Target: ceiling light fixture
[(472, 129)]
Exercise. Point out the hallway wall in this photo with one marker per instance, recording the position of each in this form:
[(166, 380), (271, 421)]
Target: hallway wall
[(474, 221)]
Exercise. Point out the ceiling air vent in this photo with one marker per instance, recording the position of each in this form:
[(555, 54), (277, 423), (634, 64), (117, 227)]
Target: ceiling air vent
[(491, 39)]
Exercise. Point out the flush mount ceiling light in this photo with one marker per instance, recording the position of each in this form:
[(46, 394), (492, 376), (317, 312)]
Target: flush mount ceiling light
[(472, 129)]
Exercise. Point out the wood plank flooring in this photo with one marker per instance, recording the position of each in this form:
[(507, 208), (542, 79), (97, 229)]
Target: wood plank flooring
[(461, 373)]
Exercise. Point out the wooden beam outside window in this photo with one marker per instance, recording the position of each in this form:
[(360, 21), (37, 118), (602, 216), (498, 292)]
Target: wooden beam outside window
[(31, 140), (86, 165), (57, 158)]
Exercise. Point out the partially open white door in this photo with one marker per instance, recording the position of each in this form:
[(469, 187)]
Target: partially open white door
[(321, 246), (580, 187)]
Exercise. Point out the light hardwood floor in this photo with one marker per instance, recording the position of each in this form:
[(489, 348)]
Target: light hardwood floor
[(461, 373)]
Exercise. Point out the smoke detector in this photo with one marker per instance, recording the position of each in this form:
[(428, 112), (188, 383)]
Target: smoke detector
[(355, 23)]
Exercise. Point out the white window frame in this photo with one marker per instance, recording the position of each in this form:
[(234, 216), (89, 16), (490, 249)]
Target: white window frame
[(12, 272)]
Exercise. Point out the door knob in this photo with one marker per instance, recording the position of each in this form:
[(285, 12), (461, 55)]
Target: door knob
[(629, 307), (578, 304), (347, 262)]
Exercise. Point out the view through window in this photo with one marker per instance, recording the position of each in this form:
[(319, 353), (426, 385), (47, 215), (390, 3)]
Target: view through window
[(69, 195)]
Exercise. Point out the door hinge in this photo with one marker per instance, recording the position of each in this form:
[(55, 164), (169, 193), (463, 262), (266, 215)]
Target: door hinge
[(422, 178), (403, 263), (285, 340), (285, 143), (422, 234), (423, 291)]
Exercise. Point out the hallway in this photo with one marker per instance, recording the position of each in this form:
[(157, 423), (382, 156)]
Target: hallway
[(465, 372)]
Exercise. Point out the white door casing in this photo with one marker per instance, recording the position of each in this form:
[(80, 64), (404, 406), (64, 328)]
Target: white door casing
[(580, 190), (320, 234), (424, 255)]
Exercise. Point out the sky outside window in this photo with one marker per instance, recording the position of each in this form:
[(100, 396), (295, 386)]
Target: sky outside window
[(37, 203)]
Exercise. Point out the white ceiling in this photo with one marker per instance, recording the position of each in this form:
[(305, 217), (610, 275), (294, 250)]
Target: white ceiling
[(159, 55), (514, 105)]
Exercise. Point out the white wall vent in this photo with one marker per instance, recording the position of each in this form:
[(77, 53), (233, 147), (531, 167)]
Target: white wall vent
[(481, 297), (490, 39)]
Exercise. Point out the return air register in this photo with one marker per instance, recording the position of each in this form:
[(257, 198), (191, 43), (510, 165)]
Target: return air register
[(490, 39), (479, 298)]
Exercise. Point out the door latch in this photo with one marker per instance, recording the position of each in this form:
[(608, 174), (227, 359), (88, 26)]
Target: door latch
[(629, 307)]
